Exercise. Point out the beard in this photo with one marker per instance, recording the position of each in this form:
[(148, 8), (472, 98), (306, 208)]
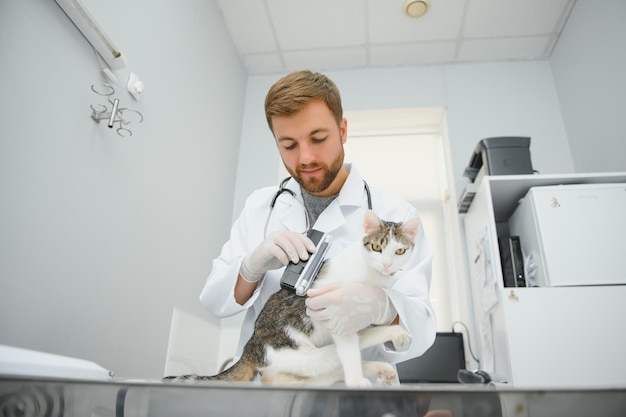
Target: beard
[(318, 184)]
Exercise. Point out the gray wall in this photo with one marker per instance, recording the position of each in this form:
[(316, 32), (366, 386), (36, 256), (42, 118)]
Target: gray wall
[(101, 236), (589, 63)]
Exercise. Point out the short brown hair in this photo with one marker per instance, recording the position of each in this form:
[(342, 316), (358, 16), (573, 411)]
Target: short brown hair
[(294, 91)]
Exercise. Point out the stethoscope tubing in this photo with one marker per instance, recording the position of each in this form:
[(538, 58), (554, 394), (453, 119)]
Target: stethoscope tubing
[(282, 189)]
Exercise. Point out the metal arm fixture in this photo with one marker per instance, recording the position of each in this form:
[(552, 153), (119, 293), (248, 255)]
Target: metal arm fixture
[(115, 114)]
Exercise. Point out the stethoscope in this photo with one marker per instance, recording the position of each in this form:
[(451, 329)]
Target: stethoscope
[(282, 188)]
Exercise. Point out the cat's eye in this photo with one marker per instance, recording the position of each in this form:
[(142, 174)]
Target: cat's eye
[(376, 247), (400, 251)]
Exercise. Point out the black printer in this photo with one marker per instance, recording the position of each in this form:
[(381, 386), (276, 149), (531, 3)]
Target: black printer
[(505, 155)]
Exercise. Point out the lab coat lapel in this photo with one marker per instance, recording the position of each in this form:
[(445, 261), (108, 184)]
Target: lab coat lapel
[(331, 219), (289, 211), (291, 214), (351, 195)]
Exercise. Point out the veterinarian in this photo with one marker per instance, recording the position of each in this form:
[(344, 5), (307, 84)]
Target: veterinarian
[(305, 115)]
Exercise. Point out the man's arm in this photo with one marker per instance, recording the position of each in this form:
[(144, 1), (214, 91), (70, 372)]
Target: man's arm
[(244, 289)]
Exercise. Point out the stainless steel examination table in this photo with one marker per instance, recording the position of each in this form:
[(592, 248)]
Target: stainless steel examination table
[(34, 397)]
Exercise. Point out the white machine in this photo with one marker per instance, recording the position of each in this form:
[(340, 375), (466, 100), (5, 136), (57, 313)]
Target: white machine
[(16, 361), (572, 235)]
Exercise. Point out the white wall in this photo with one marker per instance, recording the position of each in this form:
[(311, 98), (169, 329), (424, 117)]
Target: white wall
[(101, 236), (481, 100), (589, 63)]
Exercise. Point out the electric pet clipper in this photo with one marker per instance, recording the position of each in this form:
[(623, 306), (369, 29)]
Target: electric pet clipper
[(299, 277)]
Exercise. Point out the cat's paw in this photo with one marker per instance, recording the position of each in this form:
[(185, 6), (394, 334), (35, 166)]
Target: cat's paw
[(399, 337), (386, 374), (358, 382)]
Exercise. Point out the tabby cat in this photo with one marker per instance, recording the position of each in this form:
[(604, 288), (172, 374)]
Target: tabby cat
[(287, 347)]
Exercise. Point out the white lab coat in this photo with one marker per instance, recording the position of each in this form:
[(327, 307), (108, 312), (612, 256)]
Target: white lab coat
[(343, 219)]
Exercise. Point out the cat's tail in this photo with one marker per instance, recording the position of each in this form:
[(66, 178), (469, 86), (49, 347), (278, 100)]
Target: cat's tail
[(241, 371)]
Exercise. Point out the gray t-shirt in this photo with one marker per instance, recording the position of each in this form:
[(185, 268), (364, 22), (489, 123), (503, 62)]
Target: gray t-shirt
[(315, 205)]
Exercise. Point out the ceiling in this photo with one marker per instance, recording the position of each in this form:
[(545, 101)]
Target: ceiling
[(278, 36)]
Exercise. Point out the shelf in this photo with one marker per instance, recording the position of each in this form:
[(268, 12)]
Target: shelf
[(547, 336), (507, 190)]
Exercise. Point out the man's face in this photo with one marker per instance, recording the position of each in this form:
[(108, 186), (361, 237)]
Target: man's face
[(311, 147)]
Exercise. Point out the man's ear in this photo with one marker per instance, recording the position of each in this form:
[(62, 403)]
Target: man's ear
[(343, 129)]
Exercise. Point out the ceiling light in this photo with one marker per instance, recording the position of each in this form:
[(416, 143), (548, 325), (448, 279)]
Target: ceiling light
[(416, 8)]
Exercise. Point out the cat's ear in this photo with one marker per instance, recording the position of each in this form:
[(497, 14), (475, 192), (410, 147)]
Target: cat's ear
[(371, 221), (411, 227)]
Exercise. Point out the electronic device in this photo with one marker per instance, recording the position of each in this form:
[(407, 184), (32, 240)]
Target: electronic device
[(298, 277), (572, 234), (512, 261), (439, 364), (509, 155)]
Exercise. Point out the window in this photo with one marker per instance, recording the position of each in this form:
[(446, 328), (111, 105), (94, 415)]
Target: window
[(402, 152)]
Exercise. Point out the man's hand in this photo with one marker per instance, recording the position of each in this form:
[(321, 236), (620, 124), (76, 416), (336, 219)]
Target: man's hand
[(274, 252), (346, 308)]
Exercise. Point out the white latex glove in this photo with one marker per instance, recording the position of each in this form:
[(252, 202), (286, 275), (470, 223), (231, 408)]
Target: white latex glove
[(274, 252), (346, 308)]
